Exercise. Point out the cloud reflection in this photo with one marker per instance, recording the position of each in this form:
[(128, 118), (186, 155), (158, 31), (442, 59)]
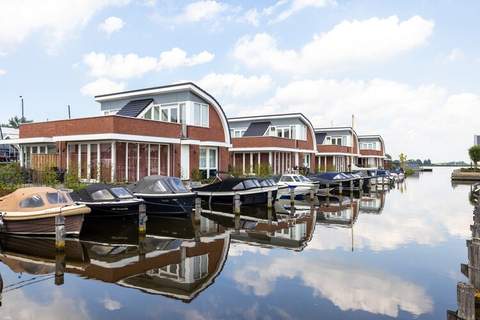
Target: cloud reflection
[(346, 287)]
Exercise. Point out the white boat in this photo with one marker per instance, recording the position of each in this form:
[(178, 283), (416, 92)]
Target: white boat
[(301, 185)]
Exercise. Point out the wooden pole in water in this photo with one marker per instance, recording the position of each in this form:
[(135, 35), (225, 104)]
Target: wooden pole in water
[(466, 301), (236, 204), (198, 207), (269, 199), (142, 218), (340, 187), (292, 199), (312, 194), (60, 232), (59, 268)]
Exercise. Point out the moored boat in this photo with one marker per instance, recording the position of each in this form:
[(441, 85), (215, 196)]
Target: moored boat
[(223, 191), (164, 195), (32, 211), (107, 201), (301, 186)]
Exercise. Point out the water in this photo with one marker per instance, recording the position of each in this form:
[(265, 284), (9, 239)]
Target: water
[(398, 256)]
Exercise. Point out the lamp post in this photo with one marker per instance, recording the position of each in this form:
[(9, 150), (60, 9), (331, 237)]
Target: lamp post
[(23, 109)]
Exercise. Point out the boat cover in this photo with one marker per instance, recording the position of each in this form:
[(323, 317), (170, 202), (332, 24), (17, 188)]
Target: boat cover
[(158, 185), (232, 184), (34, 199), (100, 192)]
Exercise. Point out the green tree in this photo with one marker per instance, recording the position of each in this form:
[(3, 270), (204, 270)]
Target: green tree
[(474, 153), (15, 122), (403, 158)]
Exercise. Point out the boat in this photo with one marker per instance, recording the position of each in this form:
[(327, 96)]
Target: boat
[(398, 175), (301, 186), (382, 177), (269, 184), (223, 191), (32, 211), (337, 180), (107, 201), (164, 195)]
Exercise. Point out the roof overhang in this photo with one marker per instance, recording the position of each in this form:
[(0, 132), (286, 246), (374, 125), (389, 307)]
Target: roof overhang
[(270, 149), (27, 140)]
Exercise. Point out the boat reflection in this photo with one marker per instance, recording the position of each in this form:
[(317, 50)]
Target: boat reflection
[(338, 211), (177, 258), (290, 229), (372, 203)]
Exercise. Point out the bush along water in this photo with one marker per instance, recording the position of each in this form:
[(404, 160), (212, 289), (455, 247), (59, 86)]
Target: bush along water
[(11, 178)]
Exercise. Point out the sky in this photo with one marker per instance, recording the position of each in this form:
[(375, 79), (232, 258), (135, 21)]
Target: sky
[(407, 70)]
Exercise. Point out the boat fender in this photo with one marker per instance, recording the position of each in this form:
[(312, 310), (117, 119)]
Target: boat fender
[(2, 225)]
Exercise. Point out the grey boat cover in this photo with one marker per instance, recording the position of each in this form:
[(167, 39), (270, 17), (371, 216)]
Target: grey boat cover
[(158, 185)]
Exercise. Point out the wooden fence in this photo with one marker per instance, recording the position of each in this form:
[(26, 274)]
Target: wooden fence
[(42, 162)]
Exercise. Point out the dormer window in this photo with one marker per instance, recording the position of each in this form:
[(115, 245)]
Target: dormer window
[(336, 141), (172, 112)]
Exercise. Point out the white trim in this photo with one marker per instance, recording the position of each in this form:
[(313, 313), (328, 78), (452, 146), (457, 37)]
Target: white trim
[(205, 143), (266, 149), (372, 156), (115, 136), (27, 140), (338, 154)]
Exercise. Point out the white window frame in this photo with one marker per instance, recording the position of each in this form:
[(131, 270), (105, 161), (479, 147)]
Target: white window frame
[(204, 122), (337, 138), (207, 167)]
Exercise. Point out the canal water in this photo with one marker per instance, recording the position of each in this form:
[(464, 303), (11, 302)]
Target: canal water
[(387, 254)]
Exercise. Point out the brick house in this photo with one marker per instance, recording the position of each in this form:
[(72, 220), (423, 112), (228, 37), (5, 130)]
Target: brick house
[(168, 130), (337, 148), (281, 141), (372, 151)]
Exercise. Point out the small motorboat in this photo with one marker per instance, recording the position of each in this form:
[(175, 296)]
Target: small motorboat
[(223, 191), (164, 195), (107, 201), (32, 211), (269, 184), (301, 186), (334, 179)]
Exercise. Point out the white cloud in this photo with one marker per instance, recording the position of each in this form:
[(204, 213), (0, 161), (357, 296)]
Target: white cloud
[(298, 5), (409, 118), (102, 86), (236, 85), (252, 17), (110, 304), (347, 44), (55, 20), (111, 24), (201, 10), (3, 72), (348, 288), (455, 55), (119, 66)]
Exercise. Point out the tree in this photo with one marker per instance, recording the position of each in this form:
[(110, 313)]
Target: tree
[(474, 153), (403, 159), (15, 122)]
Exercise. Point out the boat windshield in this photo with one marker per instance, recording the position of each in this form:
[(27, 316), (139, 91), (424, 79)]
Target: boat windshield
[(304, 179), (265, 183), (249, 184), (57, 198), (238, 187), (286, 179), (34, 201), (103, 194), (297, 179), (121, 193), (178, 185), (159, 187)]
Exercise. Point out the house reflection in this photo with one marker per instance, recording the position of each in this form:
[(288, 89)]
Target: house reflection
[(258, 226), (177, 262), (372, 203), (338, 211)]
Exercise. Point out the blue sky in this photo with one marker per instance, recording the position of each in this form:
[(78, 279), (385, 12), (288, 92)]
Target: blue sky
[(407, 70)]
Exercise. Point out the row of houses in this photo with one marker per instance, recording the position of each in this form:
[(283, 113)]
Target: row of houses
[(182, 130)]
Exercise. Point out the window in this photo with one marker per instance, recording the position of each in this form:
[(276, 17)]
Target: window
[(306, 161), (164, 113), (200, 114), (57, 197), (34, 201), (148, 114), (121, 193), (177, 185), (102, 195), (238, 187), (174, 114), (284, 133), (273, 131), (286, 179), (156, 113), (337, 141), (208, 163)]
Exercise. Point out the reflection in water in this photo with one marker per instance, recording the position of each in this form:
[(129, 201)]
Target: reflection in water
[(349, 289), (347, 256)]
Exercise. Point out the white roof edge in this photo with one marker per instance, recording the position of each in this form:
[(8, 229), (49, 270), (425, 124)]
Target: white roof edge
[(260, 149)]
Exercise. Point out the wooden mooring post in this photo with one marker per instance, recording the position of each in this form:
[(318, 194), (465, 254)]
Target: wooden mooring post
[(60, 268), (340, 188), (60, 232), (465, 301), (236, 204), (312, 194), (198, 207), (269, 199), (142, 219), (292, 200)]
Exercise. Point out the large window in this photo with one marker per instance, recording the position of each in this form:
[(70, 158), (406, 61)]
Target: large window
[(297, 132), (336, 141), (200, 114), (237, 133), (208, 164), (306, 160), (172, 112)]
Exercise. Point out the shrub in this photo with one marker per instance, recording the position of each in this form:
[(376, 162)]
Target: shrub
[(195, 175), (72, 181), (264, 170), (409, 172), (11, 176), (49, 177)]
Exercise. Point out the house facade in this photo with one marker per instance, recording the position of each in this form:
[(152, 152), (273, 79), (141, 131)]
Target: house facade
[(168, 130), (372, 151), (283, 142), (337, 149), (8, 152)]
